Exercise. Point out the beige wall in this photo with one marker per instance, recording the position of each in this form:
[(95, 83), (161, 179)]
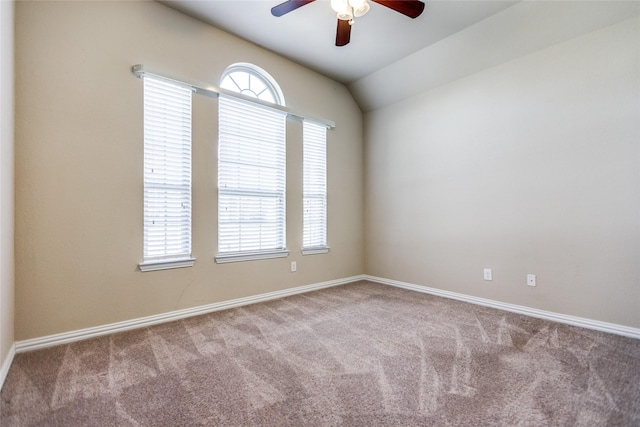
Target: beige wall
[(79, 166), (6, 180), (528, 167)]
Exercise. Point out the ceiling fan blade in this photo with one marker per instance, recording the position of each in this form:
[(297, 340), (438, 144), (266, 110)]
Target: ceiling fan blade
[(410, 8), (343, 34), (288, 6)]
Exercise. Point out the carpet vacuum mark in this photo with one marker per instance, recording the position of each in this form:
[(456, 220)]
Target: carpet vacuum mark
[(361, 354)]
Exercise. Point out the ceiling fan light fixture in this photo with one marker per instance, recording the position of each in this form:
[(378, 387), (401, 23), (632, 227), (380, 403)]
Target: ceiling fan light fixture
[(340, 6), (348, 9), (361, 9)]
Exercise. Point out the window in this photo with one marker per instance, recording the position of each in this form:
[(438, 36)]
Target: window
[(251, 169), (252, 81), (167, 175), (314, 236)]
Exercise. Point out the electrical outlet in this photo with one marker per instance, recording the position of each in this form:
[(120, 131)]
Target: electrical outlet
[(531, 279), (294, 267), (488, 274)]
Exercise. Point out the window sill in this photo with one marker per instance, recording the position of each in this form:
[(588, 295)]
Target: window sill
[(250, 256), (166, 264), (315, 251)]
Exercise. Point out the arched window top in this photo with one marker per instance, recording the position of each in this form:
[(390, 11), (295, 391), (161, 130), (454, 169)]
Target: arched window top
[(253, 81)]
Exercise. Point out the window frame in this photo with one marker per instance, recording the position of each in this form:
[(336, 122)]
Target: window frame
[(259, 73), (314, 188), (167, 140), (226, 139)]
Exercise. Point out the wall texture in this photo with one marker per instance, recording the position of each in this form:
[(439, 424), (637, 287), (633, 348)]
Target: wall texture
[(531, 166), (79, 157), (6, 181)]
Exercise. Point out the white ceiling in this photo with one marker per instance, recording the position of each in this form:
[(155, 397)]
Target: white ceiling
[(307, 35), (523, 28), (392, 57)]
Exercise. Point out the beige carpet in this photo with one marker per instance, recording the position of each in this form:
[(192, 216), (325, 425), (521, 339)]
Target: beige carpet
[(361, 354)]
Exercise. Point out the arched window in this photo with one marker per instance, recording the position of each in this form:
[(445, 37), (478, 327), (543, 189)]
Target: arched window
[(253, 81), (251, 168)]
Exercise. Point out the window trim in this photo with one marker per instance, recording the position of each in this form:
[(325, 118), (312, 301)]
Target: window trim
[(262, 75), (316, 251), (166, 264)]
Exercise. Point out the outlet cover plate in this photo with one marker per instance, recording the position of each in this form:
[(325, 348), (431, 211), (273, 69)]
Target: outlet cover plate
[(531, 279)]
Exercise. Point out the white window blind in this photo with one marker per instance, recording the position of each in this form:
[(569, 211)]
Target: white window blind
[(251, 181), (167, 174), (314, 219)]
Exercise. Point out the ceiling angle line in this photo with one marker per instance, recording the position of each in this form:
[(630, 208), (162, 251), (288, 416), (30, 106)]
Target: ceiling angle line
[(141, 70)]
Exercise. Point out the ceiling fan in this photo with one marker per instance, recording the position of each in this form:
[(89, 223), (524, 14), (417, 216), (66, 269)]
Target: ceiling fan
[(348, 9)]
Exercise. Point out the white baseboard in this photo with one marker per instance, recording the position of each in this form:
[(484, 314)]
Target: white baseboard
[(82, 334), (6, 364), (527, 311)]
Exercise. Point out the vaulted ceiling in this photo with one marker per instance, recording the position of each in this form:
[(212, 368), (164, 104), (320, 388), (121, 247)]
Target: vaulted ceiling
[(390, 56), (307, 35)]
